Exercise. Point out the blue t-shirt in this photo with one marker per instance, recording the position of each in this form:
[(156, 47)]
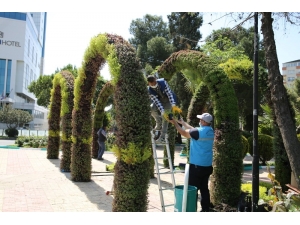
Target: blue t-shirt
[(201, 148)]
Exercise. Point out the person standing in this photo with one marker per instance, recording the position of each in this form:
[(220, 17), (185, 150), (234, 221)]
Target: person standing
[(101, 141), (201, 155), (163, 98)]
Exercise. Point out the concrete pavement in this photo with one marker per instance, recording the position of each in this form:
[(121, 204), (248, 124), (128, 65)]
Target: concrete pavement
[(29, 182)]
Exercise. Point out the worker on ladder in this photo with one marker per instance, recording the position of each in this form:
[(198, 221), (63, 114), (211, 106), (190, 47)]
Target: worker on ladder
[(163, 100), (201, 155)]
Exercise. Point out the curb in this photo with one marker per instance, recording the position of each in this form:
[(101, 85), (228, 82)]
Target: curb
[(249, 167)]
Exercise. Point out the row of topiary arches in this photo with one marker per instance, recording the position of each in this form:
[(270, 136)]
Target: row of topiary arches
[(71, 101)]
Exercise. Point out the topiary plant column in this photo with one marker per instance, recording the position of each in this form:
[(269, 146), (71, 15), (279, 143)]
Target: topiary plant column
[(132, 171), (61, 106), (133, 139), (225, 182)]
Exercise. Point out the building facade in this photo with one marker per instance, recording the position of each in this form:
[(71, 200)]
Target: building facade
[(22, 47), (290, 72)]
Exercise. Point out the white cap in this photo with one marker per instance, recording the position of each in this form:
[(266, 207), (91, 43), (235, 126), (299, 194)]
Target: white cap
[(206, 117)]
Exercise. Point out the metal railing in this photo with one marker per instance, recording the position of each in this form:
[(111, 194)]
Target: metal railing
[(25, 132)]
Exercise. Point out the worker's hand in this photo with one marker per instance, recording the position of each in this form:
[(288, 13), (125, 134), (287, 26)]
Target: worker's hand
[(180, 120), (173, 121)]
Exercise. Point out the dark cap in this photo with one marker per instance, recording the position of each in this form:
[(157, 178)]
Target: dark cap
[(151, 78)]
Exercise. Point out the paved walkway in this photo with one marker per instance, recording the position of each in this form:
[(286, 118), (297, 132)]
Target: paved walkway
[(29, 182)]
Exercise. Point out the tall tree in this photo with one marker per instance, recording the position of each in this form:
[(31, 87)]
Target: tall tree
[(229, 55), (158, 50), (71, 68), (185, 34), (240, 37), (14, 117), (41, 88), (184, 29), (284, 116), (143, 30)]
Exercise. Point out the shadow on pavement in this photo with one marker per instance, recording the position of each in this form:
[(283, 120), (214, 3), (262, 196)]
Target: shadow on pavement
[(93, 190)]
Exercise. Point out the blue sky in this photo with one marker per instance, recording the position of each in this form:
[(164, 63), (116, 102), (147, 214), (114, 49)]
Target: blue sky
[(71, 26)]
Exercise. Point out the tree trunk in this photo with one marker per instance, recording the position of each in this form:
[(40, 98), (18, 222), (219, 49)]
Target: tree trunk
[(279, 97)]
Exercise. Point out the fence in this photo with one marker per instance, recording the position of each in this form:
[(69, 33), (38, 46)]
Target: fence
[(25, 132)]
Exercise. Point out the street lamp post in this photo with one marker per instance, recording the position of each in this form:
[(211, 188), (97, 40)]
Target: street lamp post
[(255, 161)]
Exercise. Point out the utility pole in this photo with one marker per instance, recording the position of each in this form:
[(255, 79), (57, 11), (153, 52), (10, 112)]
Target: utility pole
[(255, 161)]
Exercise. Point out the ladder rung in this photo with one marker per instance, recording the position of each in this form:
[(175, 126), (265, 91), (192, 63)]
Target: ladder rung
[(179, 171), (168, 172), (164, 189), (169, 205), (162, 158), (163, 169)]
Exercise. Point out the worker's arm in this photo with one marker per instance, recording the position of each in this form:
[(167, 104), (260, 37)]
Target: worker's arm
[(185, 124), (169, 93), (183, 132)]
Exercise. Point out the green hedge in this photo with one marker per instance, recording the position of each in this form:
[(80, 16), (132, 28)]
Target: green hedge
[(32, 141), (264, 146)]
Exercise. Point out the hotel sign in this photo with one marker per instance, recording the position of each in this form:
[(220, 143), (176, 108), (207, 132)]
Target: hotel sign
[(8, 42)]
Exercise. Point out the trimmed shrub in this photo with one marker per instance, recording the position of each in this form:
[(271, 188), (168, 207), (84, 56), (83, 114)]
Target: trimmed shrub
[(11, 132), (265, 147), (262, 191), (31, 141)]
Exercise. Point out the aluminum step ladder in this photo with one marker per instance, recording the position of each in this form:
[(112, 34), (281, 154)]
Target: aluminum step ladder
[(171, 171)]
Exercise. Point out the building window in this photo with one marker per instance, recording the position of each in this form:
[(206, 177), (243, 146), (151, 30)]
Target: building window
[(35, 59), (28, 53), (31, 76), (8, 76), (290, 79), (2, 76), (13, 15), (32, 54), (38, 114), (27, 76)]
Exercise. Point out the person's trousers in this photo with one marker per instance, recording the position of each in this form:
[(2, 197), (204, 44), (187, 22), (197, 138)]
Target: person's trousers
[(101, 149), (198, 177), (161, 123)]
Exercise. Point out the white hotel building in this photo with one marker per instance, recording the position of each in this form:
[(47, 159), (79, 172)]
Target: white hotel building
[(22, 46), (290, 72)]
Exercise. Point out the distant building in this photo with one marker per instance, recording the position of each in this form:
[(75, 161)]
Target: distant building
[(290, 72), (22, 48)]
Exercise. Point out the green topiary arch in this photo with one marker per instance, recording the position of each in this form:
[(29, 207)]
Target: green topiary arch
[(131, 103), (226, 179), (102, 99), (61, 105)]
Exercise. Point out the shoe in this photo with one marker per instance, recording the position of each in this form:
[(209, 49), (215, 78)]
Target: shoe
[(161, 140), (157, 135), (157, 128), (100, 159)]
